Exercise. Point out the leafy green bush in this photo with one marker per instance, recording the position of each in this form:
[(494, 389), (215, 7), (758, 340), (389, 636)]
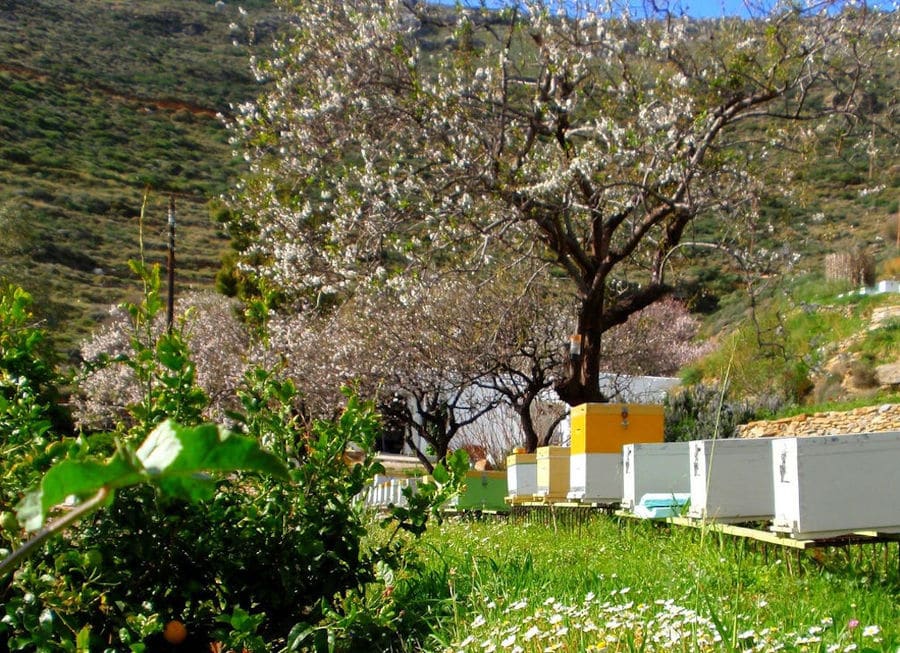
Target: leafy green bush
[(880, 345), (172, 459), (263, 563), (700, 412), (22, 345), (28, 398)]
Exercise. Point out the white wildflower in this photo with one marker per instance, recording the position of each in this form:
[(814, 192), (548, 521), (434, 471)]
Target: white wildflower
[(871, 631)]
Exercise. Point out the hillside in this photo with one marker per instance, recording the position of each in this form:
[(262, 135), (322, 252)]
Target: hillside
[(104, 100), (101, 102)]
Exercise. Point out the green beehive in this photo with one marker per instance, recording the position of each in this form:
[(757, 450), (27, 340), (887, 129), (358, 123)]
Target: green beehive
[(483, 491)]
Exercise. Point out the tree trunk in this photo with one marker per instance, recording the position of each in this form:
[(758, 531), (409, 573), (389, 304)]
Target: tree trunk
[(527, 422), (429, 467), (582, 382)]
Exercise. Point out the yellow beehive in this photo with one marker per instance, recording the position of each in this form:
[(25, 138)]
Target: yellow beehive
[(553, 472), (514, 459), (604, 428)]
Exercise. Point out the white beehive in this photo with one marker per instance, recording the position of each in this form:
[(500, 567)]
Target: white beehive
[(653, 468), (595, 477), (521, 475), (834, 485), (731, 480)]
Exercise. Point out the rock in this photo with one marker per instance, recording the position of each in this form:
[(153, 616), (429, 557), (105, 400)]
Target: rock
[(871, 419), (888, 375), (883, 315)]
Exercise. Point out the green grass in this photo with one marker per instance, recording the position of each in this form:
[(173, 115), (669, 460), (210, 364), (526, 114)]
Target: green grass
[(839, 406), (623, 585)]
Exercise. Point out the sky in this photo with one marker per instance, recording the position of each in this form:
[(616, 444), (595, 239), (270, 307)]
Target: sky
[(706, 8), (744, 8), (713, 8), (697, 8)]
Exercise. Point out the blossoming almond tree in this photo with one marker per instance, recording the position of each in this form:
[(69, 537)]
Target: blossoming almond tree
[(419, 352), (391, 134), (210, 327), (530, 351), (656, 341), (431, 348)]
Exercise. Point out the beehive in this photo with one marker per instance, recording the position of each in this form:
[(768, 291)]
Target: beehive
[(552, 472), (654, 505), (660, 468), (731, 480), (833, 485), (521, 475), (595, 478), (606, 428), (483, 490)]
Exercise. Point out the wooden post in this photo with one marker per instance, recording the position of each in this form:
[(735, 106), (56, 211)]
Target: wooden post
[(170, 307)]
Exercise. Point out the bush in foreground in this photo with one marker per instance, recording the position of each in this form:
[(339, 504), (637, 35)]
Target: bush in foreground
[(260, 563)]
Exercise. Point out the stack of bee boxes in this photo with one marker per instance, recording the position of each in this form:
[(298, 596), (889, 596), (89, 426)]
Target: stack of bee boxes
[(731, 480), (657, 468), (552, 473), (832, 485), (599, 431), (521, 476)]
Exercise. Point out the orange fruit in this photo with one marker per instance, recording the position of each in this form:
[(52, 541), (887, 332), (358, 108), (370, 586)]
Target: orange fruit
[(174, 632)]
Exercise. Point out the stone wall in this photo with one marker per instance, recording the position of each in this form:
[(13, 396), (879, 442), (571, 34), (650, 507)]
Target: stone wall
[(871, 419)]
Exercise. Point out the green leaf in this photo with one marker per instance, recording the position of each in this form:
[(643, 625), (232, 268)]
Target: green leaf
[(171, 354), (83, 640), (172, 450), (458, 461), (440, 474), (72, 477), (175, 458)]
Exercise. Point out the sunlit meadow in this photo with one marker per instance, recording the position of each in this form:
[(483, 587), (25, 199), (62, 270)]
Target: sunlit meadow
[(619, 585)]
